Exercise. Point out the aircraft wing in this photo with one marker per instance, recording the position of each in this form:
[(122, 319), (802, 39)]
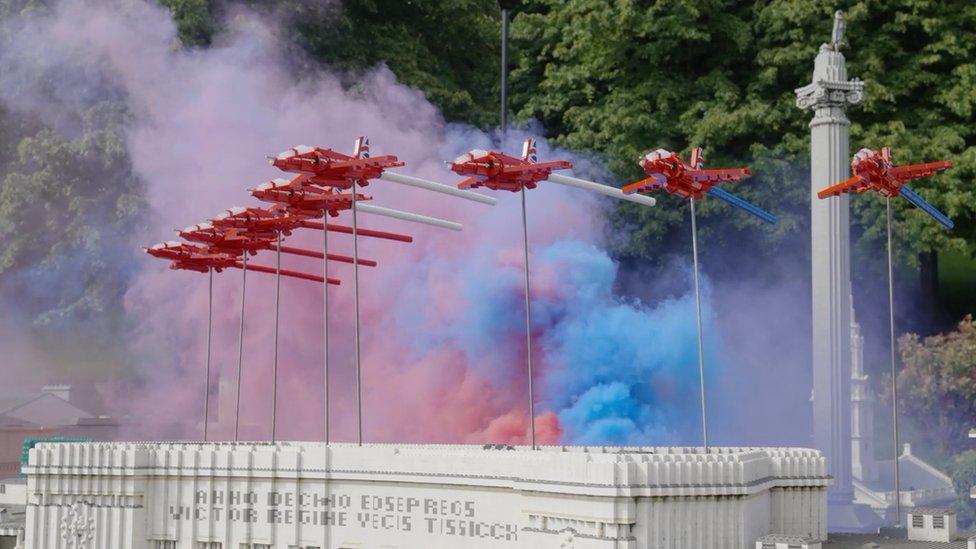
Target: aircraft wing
[(360, 164), (720, 175), (844, 186), (914, 198), (909, 172), (536, 167)]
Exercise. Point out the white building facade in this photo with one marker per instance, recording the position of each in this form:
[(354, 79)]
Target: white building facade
[(313, 496)]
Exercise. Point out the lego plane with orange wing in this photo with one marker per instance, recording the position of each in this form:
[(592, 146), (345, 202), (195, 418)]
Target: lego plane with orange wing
[(875, 171)]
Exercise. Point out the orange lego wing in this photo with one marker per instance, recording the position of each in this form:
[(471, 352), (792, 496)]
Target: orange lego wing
[(844, 186), (654, 182), (909, 172)]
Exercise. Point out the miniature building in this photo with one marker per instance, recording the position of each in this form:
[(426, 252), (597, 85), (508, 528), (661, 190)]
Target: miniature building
[(972, 543), (922, 485), (13, 509), (932, 525), (232, 495), (778, 541), (44, 414)]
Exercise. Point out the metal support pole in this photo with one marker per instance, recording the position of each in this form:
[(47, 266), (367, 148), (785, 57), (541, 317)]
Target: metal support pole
[(325, 320), (274, 371), (698, 317), (528, 321), (206, 396), (355, 270), (894, 371), (504, 83), (240, 354)]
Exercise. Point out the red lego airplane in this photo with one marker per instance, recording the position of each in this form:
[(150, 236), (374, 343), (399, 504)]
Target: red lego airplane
[(273, 219), (202, 259), (669, 172), (239, 241), (303, 198), (875, 171), (334, 169), (500, 171)]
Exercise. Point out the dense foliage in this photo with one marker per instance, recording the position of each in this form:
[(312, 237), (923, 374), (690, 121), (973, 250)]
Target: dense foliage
[(937, 401), (937, 386), (626, 76)]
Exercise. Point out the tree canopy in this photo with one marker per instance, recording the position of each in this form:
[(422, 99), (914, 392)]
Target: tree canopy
[(627, 76)]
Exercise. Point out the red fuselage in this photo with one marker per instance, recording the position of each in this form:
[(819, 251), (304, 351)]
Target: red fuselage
[(330, 168), (499, 171)]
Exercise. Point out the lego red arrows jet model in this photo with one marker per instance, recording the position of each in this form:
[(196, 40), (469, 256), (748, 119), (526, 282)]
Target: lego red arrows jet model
[(331, 168), (328, 168), (500, 171), (875, 171), (202, 259), (238, 241), (667, 171)]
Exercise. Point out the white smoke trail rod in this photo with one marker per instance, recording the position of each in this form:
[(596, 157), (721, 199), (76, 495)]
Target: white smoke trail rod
[(406, 216), (602, 189), (437, 187)]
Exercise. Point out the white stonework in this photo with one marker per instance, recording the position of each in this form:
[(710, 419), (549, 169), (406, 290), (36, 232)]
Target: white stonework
[(828, 96), (778, 541), (932, 525), (308, 495)]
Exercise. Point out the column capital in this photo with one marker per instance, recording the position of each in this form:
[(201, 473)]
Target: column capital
[(828, 93)]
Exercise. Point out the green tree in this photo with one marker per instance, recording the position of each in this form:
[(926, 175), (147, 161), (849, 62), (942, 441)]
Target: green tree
[(962, 469), (66, 208), (194, 20), (937, 386), (630, 75), (447, 49)]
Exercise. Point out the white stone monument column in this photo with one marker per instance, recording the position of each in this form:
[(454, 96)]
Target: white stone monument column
[(828, 96)]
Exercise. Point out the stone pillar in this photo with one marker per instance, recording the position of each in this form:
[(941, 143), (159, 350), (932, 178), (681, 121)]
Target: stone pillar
[(828, 96)]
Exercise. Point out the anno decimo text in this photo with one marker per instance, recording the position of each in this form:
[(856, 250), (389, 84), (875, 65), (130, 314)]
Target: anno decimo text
[(437, 516)]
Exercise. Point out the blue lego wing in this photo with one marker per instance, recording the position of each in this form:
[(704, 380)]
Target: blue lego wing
[(742, 204), (914, 198)]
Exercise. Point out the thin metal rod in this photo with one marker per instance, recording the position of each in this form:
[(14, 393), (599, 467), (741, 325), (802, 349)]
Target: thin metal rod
[(528, 321), (206, 396), (325, 324), (894, 368), (240, 353), (698, 317), (504, 82), (355, 270), (274, 371)]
